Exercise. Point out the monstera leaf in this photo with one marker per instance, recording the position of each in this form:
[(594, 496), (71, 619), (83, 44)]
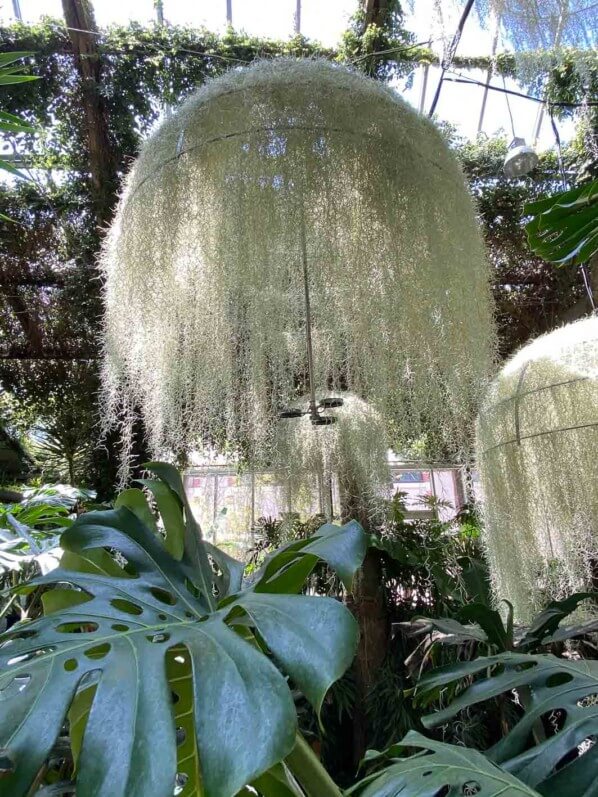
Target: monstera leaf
[(438, 769), (168, 672), (559, 698), (564, 227)]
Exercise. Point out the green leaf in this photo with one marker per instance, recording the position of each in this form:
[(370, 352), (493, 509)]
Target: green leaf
[(170, 510), (136, 501), (490, 621), (313, 639), (564, 227), (474, 574), (180, 682), (341, 547), (454, 632), (8, 167), (55, 600), (436, 769), (17, 55), (194, 551), (547, 622), (548, 686), (129, 635), (244, 713), (93, 560), (9, 80), (277, 782), (78, 715), (16, 126)]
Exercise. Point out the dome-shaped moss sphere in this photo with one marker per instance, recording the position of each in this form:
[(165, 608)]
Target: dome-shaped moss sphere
[(262, 172), (538, 457)]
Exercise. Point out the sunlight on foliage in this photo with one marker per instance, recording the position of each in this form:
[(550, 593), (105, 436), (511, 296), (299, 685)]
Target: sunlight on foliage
[(204, 300), (537, 444)]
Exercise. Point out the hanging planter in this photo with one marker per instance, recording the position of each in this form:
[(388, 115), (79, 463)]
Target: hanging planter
[(353, 451), (538, 458), (265, 179)]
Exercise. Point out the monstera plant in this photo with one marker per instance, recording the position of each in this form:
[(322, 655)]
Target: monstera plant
[(172, 678), (563, 228)]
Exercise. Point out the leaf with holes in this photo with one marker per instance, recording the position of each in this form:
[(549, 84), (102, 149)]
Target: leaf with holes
[(560, 702), (341, 547), (146, 614), (438, 769), (545, 627), (564, 227)]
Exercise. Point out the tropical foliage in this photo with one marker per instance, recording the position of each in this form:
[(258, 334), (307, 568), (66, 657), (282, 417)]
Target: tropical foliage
[(564, 227), (11, 73), (160, 611), (50, 315), (546, 705), (170, 667)]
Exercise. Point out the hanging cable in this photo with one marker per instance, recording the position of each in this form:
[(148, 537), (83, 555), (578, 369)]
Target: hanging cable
[(504, 82), (559, 149), (448, 59)]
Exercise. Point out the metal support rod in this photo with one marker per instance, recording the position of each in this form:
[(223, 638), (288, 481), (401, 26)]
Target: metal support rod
[(422, 99), (215, 509), (451, 53), (557, 41), (159, 6), (229, 13), (433, 481), (313, 407), (298, 18), (252, 504), (489, 76), (16, 10)]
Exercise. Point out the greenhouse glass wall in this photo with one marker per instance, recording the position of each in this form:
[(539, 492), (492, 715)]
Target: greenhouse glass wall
[(229, 504)]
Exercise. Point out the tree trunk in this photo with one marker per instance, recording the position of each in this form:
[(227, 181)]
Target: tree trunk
[(103, 163), (27, 318), (368, 605), (375, 12), (79, 18)]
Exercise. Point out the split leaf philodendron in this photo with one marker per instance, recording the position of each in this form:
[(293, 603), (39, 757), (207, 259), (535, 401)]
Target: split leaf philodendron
[(435, 769), (553, 693), (167, 665)]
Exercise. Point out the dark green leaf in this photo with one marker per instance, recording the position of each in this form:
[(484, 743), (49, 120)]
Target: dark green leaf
[(313, 639), (549, 619), (244, 714), (564, 227), (436, 769), (491, 622), (342, 547), (548, 687)]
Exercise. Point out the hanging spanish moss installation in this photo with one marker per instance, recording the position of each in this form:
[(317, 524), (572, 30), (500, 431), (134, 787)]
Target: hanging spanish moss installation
[(354, 449), (544, 24), (542, 34), (545, 33), (538, 459), (262, 172)]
